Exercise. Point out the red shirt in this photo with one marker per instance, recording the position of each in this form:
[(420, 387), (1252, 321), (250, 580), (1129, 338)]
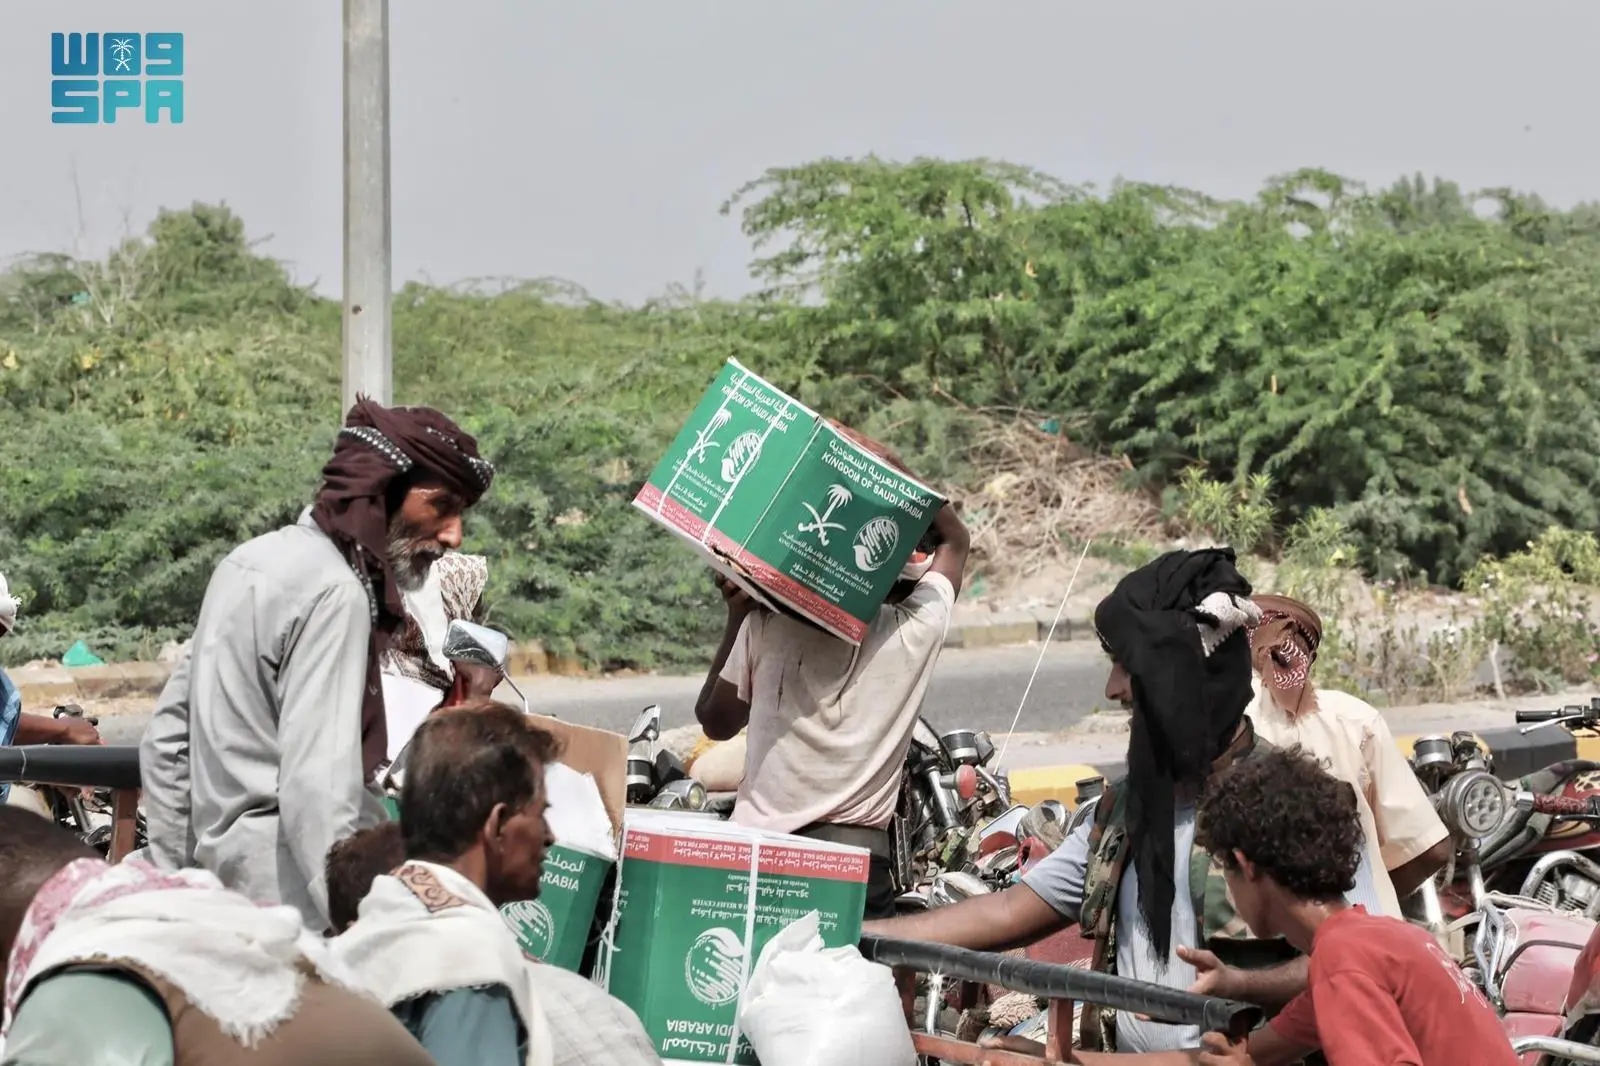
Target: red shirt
[(1392, 997)]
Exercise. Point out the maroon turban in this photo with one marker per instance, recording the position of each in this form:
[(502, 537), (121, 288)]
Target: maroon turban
[(377, 446)]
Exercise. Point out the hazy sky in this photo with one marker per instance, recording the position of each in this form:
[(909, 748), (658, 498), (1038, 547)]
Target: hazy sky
[(594, 140)]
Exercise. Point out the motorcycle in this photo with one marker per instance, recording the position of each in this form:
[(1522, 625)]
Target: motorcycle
[(1536, 850), (86, 813), (1522, 948), (658, 778), (954, 829), (1008, 1014), (1580, 1036)]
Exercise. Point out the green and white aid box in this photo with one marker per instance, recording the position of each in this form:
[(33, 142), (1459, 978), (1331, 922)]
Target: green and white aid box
[(698, 900), (587, 792), (777, 498), (555, 927)]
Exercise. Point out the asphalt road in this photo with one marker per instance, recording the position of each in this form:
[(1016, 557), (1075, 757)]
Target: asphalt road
[(971, 689)]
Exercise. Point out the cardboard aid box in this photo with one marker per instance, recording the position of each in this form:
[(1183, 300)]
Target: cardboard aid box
[(691, 921), (555, 927), (778, 499)]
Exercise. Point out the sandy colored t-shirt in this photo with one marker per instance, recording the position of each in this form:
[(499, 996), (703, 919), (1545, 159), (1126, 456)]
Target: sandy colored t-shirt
[(830, 723), (1350, 734)]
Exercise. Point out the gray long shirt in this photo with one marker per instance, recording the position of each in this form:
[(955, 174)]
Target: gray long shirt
[(252, 760)]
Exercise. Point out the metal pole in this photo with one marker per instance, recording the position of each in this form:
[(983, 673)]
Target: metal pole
[(368, 367)]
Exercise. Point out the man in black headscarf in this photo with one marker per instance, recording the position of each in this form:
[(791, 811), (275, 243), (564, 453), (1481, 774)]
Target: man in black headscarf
[(1175, 631), (268, 738)]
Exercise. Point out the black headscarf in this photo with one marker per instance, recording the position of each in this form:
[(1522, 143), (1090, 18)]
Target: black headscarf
[(377, 446), (1190, 690)]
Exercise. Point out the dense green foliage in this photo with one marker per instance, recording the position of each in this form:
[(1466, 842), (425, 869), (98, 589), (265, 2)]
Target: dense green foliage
[(148, 429), (1416, 361)]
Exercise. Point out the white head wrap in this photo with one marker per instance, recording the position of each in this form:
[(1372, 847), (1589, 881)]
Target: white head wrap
[(8, 607), (915, 569), (1221, 615)]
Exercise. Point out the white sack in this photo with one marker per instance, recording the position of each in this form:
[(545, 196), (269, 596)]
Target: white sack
[(807, 1005)]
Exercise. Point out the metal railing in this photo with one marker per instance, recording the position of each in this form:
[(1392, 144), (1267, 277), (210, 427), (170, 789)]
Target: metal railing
[(1061, 985), (114, 767)]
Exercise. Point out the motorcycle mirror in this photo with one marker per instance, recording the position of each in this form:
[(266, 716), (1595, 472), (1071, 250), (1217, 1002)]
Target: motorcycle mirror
[(646, 727), (1053, 811), (985, 745), (468, 642), (669, 768)]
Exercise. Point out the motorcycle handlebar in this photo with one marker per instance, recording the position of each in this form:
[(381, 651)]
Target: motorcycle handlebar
[(1571, 806), (1540, 716)]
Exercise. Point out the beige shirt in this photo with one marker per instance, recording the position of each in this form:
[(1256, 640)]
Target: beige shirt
[(830, 723), (1350, 734)]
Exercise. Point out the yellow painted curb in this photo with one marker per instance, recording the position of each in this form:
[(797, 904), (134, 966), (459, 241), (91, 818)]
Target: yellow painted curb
[(1042, 783), (1588, 747)]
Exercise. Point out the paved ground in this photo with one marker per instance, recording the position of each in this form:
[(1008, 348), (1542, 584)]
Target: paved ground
[(971, 689), (1059, 740)]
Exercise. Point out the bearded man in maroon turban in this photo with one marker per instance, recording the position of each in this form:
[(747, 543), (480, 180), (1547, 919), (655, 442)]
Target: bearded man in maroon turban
[(269, 738)]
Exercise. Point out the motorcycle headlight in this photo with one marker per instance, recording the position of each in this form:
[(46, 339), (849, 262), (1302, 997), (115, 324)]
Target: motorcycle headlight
[(1473, 804), (685, 794)]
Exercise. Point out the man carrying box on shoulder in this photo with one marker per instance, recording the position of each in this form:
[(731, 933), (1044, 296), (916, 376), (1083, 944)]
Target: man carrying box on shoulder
[(829, 724)]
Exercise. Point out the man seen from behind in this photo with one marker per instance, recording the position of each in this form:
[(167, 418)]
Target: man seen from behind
[(127, 965)]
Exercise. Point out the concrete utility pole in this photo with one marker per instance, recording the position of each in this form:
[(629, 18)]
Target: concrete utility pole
[(368, 365)]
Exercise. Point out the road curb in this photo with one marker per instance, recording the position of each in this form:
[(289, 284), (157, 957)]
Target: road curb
[(1008, 628), (1515, 755), (44, 687)]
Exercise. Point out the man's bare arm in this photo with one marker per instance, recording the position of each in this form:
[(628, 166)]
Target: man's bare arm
[(1266, 1048), (955, 543), (44, 729), (719, 709), (1408, 877), (1004, 920), (1272, 987)]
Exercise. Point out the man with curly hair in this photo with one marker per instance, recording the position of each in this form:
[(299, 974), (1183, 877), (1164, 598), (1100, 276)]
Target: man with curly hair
[(1289, 839)]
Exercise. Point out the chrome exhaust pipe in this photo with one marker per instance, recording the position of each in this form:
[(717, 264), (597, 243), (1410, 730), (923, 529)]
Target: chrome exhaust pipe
[(1555, 1048)]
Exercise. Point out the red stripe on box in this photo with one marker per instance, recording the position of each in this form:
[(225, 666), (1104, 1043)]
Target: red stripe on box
[(777, 859), (671, 512), (797, 595), (806, 601)]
